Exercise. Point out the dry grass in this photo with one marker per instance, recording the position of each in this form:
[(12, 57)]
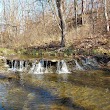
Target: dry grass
[(45, 31), (39, 36)]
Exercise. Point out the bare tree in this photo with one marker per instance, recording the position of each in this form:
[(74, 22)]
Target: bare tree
[(92, 15), (106, 15), (97, 8), (83, 11), (75, 11), (60, 8)]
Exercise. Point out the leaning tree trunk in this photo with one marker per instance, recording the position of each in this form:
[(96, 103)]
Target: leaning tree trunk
[(106, 15), (60, 8)]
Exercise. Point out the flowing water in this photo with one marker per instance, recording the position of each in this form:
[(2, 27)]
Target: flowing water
[(38, 67), (78, 66), (62, 67), (50, 92), (39, 88), (19, 95)]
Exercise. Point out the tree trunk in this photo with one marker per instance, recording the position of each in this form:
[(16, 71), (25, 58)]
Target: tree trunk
[(106, 16), (60, 8), (97, 5), (92, 15), (75, 10), (1, 40), (83, 11), (43, 12)]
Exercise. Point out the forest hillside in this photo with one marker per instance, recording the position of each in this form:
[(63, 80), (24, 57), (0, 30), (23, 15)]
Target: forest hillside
[(80, 24)]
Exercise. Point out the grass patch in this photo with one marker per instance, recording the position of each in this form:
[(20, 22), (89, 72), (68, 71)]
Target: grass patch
[(5, 51)]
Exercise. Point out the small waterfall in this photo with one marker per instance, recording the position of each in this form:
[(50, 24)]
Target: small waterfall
[(58, 67), (78, 67), (62, 67), (21, 66), (16, 65), (25, 65), (33, 67), (39, 68), (13, 65), (46, 68), (90, 63)]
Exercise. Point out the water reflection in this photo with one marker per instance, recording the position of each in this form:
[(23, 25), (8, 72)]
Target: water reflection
[(62, 77), (65, 77), (3, 94), (49, 92), (21, 95), (39, 76)]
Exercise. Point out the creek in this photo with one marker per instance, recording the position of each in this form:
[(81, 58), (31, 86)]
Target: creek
[(52, 85)]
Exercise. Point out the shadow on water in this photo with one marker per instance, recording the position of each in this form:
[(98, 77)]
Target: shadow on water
[(1, 108), (25, 96), (36, 97), (44, 97), (92, 79)]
